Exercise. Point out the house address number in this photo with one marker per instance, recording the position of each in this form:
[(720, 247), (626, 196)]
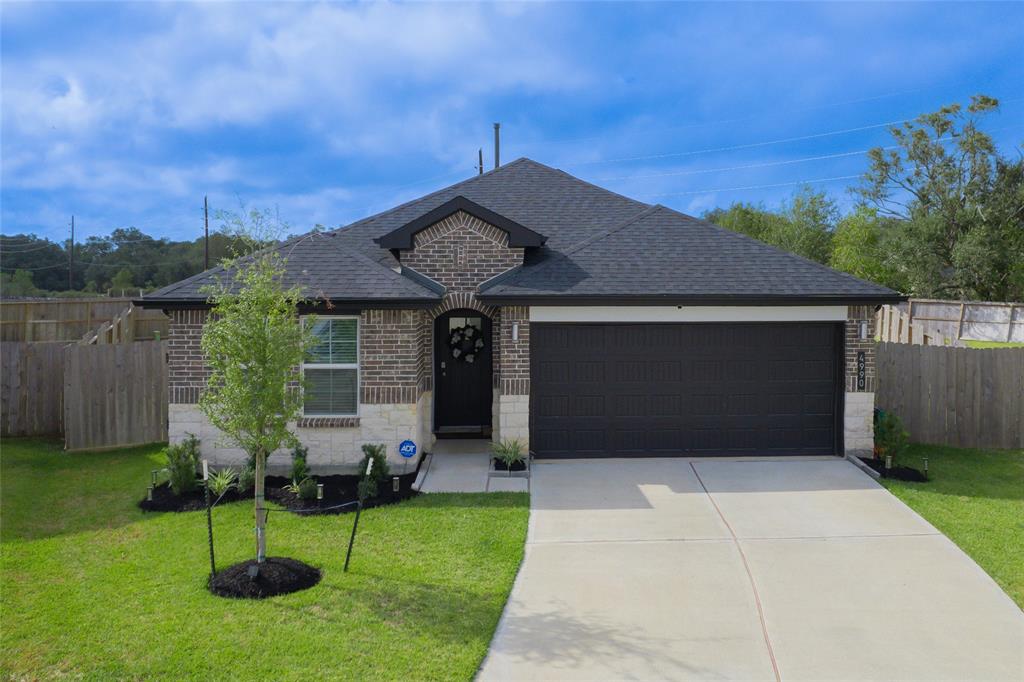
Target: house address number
[(862, 370)]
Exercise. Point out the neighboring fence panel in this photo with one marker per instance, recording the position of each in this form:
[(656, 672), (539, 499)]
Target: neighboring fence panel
[(61, 319), (954, 396), (31, 389), (115, 395)]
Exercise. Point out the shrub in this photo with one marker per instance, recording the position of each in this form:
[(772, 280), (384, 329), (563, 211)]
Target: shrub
[(246, 478), (300, 470), (222, 481), (891, 440), (508, 452), (369, 486), (182, 459)]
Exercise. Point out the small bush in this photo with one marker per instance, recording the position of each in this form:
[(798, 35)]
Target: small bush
[(182, 460), (246, 478), (300, 470), (307, 488), (369, 486), (222, 481), (509, 452), (891, 440)]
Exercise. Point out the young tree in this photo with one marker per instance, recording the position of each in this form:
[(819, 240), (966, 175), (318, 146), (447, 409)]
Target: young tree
[(254, 344)]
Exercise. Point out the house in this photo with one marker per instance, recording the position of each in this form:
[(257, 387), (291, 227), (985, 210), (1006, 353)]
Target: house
[(525, 303)]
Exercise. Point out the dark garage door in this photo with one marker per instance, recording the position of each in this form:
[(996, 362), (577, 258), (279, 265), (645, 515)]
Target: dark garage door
[(619, 390)]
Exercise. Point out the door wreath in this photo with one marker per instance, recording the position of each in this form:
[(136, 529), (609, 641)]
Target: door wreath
[(465, 343)]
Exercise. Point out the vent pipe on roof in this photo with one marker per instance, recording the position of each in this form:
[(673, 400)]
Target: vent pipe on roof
[(497, 145), (480, 160)]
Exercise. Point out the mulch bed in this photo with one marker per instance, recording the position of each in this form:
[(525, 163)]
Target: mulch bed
[(276, 575), (338, 489), (897, 472), (499, 465)]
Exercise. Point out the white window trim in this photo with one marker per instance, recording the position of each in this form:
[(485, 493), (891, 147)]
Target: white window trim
[(346, 365)]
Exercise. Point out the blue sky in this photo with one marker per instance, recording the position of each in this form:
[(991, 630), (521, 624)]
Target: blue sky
[(127, 114)]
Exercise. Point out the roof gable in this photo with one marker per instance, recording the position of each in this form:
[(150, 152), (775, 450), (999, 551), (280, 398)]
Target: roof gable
[(402, 237)]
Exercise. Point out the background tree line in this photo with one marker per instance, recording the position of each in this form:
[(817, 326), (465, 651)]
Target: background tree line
[(938, 214)]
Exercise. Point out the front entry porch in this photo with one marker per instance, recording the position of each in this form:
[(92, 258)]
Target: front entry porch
[(461, 466)]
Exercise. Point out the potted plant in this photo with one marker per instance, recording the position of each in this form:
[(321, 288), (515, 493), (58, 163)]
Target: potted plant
[(508, 458)]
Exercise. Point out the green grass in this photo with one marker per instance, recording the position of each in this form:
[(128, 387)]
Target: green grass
[(994, 344), (975, 497), (91, 587)]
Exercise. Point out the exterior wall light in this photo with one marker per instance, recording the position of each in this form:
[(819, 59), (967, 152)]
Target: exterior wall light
[(515, 331), (863, 329)]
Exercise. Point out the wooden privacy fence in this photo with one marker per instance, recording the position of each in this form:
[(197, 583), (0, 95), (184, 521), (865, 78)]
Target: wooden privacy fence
[(954, 396), (63, 319), (115, 395), (31, 389)]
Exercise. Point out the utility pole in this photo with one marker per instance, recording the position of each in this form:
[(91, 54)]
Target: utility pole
[(480, 160), (206, 224), (497, 145), (71, 256)]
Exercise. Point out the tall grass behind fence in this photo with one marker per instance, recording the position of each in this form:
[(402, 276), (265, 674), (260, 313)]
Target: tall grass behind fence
[(964, 397), (31, 389)]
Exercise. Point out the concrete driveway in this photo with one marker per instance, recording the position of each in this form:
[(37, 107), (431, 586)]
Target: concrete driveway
[(743, 569)]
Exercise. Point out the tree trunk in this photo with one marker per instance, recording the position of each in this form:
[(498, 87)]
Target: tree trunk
[(261, 512)]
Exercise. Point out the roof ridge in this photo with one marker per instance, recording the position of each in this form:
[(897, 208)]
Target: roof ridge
[(747, 237)]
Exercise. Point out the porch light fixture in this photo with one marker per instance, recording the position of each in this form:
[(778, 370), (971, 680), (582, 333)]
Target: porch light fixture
[(319, 491), (863, 329), (515, 331)]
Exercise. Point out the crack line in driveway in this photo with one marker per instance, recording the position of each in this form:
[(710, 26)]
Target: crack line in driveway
[(750, 576)]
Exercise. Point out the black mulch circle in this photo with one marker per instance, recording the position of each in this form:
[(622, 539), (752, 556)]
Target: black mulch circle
[(898, 473), (500, 465), (276, 575), (338, 489)]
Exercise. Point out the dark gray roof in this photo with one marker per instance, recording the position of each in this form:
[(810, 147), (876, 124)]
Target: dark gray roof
[(324, 269), (663, 255), (599, 246)]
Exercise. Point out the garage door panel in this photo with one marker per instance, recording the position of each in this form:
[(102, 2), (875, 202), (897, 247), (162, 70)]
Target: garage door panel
[(624, 390)]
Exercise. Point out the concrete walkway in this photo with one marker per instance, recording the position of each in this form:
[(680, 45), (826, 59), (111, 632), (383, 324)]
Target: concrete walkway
[(667, 569), (461, 465)]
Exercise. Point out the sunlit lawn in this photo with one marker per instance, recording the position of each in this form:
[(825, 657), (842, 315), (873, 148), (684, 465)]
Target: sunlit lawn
[(92, 587), (975, 497)]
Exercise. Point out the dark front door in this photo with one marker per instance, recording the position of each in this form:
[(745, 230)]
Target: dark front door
[(621, 390), (462, 374)]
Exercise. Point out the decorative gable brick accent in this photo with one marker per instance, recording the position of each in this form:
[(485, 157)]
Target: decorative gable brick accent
[(854, 344), (461, 252)]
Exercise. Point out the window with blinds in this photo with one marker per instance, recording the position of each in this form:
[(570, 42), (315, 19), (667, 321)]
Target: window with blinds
[(331, 369)]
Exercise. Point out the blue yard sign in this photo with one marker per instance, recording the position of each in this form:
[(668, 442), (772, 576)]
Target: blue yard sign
[(407, 449)]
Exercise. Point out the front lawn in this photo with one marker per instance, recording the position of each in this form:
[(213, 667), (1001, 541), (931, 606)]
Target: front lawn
[(975, 497), (93, 587)]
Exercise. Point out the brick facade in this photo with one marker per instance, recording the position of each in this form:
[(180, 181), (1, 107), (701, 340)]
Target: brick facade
[(854, 344), (187, 373), (389, 356), (515, 354)]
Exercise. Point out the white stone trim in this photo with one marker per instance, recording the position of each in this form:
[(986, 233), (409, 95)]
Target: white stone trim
[(827, 313)]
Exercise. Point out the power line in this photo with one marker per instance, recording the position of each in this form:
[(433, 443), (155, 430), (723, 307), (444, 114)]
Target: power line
[(759, 115), (736, 189)]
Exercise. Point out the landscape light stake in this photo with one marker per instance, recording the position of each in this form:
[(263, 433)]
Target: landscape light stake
[(355, 524), (926, 467), (209, 516)]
